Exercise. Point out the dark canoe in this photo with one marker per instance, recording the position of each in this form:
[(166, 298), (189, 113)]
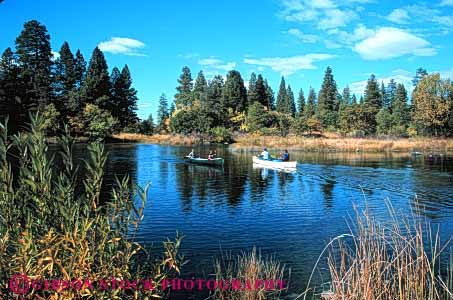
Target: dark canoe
[(205, 161)]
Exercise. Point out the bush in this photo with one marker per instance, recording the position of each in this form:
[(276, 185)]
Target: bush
[(299, 125), (99, 123), (221, 135), (58, 223)]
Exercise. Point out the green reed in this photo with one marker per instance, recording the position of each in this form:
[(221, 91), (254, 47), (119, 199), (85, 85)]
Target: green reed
[(53, 228)]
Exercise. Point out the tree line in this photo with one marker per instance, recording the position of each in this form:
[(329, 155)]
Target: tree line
[(65, 90), (219, 107)]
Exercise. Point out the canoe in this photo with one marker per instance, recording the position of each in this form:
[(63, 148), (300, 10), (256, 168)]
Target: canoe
[(276, 164), (204, 161)]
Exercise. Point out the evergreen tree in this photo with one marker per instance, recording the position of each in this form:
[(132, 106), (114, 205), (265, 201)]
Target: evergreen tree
[(301, 102), (310, 108), (383, 94), (281, 97), (327, 100), (354, 99), (117, 94), (172, 108), (65, 74), (183, 96), (372, 95), (214, 110), (252, 96), (80, 67), (290, 103), (346, 97), (129, 109), (260, 90), (420, 73), (270, 100), (200, 88), (11, 91), (96, 87), (234, 92), (400, 108), (390, 93), (34, 57), (147, 126), (162, 113)]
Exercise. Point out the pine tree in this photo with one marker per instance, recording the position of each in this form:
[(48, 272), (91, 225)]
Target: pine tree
[(162, 112), (35, 60), (383, 94), (11, 91), (200, 87), (80, 67), (346, 97), (183, 96), (172, 108), (252, 97), (234, 92), (290, 102), (327, 100), (390, 93), (372, 95), (214, 109), (65, 74), (270, 99), (399, 107), (310, 108), (281, 97), (260, 90), (300, 102), (96, 87), (354, 99), (130, 104), (117, 95), (420, 73)]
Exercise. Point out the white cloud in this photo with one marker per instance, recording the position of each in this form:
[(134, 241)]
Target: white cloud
[(325, 14), (121, 45), (399, 16), (289, 65), (303, 37), (389, 42), (217, 64), (399, 75), (446, 3)]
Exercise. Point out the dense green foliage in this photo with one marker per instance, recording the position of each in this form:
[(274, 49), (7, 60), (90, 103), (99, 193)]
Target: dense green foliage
[(31, 80), (383, 110)]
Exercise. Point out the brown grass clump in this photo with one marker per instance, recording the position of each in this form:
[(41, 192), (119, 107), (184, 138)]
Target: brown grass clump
[(398, 260), (164, 139), (250, 266)]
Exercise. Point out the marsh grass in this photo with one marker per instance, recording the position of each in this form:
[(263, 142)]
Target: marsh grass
[(50, 231), (403, 259), (249, 266)]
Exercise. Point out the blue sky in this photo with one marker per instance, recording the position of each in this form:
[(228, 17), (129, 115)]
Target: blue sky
[(294, 38)]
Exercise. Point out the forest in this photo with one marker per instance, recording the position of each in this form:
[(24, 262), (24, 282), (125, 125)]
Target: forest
[(96, 104)]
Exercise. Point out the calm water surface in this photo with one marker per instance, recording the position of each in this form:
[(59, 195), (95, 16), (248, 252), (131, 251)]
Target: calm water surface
[(292, 215)]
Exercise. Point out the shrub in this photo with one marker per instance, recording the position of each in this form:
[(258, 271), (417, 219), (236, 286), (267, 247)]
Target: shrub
[(53, 228), (99, 123), (221, 135)]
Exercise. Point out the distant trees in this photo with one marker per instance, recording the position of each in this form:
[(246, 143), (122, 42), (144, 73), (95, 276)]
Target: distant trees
[(91, 101), (327, 100)]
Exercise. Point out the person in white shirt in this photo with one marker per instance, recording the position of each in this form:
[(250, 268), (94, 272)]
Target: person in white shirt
[(191, 154), (265, 154)]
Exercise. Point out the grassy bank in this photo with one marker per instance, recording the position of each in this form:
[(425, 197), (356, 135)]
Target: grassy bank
[(319, 144)]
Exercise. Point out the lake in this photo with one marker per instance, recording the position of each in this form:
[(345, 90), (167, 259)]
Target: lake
[(291, 215)]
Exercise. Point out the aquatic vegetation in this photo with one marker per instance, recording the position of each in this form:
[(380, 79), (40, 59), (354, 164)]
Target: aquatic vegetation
[(402, 259), (250, 266), (56, 224)]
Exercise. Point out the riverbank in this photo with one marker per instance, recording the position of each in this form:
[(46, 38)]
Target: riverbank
[(328, 143)]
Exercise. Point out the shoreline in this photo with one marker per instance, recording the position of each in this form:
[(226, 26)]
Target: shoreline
[(312, 144)]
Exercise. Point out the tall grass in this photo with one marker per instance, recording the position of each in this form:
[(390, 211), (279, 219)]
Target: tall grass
[(403, 259), (249, 266), (51, 228)]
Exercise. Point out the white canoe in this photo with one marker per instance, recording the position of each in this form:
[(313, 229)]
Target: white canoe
[(276, 164)]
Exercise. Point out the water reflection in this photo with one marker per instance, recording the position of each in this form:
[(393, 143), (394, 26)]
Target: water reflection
[(292, 214)]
